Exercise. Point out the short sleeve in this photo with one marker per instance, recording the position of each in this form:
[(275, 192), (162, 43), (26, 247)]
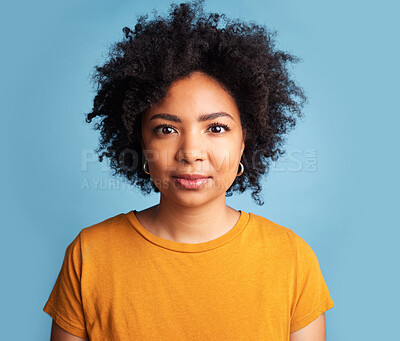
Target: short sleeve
[(65, 301), (312, 296)]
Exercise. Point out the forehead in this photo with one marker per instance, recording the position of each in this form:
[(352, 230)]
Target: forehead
[(195, 95)]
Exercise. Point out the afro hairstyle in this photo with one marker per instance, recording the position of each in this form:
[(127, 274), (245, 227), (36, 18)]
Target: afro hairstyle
[(241, 56)]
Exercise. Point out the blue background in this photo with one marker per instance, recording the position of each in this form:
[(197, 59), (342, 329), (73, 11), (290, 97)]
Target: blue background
[(337, 186)]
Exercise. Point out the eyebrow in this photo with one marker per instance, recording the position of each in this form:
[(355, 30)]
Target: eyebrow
[(201, 118)]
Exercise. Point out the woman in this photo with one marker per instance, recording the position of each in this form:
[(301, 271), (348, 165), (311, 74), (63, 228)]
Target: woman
[(193, 112)]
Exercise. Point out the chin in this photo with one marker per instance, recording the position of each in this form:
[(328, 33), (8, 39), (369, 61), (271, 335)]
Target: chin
[(189, 198)]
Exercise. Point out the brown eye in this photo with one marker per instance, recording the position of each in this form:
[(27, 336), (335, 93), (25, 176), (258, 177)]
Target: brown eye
[(166, 129), (217, 128)]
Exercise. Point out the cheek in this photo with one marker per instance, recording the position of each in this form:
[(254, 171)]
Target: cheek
[(160, 159), (224, 157)]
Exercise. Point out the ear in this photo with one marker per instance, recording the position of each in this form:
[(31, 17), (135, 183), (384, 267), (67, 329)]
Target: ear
[(140, 133), (141, 142), (243, 142)]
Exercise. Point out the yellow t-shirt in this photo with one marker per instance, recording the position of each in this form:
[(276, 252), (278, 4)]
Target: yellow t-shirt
[(118, 281)]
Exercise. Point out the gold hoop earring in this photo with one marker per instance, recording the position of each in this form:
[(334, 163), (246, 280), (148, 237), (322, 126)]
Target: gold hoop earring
[(242, 169), (144, 167)]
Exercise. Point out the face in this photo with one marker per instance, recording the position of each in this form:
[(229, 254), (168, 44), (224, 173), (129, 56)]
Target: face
[(194, 129)]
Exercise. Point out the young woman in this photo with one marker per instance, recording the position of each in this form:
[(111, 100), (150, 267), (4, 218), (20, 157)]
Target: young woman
[(194, 112)]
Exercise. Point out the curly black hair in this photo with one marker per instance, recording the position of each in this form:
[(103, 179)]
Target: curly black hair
[(241, 56)]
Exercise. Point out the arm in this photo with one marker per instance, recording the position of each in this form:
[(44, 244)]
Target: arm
[(315, 331), (59, 334)]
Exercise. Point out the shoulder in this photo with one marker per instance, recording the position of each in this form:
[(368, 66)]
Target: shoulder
[(277, 234), (104, 231), (272, 228)]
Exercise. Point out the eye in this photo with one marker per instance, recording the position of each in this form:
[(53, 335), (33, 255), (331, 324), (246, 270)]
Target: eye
[(219, 125), (164, 128)]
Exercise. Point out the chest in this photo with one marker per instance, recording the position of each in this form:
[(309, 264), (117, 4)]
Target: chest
[(235, 296)]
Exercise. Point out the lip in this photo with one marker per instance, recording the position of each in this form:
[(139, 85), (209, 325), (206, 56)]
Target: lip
[(191, 183), (191, 176)]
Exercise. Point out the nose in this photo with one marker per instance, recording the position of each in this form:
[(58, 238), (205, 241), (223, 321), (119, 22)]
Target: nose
[(190, 148)]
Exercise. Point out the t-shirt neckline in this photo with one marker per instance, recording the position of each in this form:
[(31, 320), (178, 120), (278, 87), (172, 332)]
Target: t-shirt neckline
[(189, 247)]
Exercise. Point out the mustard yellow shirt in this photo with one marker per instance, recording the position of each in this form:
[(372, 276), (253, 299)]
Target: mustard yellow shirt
[(118, 281)]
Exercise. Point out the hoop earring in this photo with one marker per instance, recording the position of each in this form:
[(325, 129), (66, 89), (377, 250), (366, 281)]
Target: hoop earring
[(144, 167), (242, 169)]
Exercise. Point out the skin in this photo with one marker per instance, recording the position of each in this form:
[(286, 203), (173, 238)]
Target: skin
[(315, 331), (59, 334), (191, 146)]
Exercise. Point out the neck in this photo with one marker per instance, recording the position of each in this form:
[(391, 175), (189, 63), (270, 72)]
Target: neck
[(187, 224)]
